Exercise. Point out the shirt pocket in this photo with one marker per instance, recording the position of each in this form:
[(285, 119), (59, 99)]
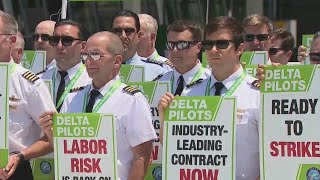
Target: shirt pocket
[(242, 116)]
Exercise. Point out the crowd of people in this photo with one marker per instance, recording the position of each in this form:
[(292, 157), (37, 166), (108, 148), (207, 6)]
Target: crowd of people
[(85, 69)]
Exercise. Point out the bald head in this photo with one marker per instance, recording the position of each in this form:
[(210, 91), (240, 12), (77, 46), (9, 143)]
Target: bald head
[(45, 27), (149, 23), (110, 41)]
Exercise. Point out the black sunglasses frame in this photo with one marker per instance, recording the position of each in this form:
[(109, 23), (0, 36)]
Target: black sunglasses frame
[(65, 40), (220, 44), (44, 37), (274, 50), (118, 31), (170, 45), (260, 37)]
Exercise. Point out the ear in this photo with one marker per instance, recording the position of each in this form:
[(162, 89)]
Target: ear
[(289, 54), (12, 40), (20, 53), (153, 37), (83, 45), (118, 61), (240, 49), (199, 46), (139, 34)]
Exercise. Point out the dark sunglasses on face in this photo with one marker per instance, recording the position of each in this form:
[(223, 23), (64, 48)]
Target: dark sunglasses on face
[(65, 40), (260, 37), (118, 31), (95, 55), (220, 44), (274, 51), (180, 45), (44, 37), (314, 56)]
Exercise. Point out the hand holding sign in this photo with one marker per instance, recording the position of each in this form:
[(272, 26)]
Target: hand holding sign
[(46, 125), (164, 102)]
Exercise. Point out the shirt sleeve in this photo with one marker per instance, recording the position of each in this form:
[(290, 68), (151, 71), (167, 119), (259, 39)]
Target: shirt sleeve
[(39, 101), (139, 127)]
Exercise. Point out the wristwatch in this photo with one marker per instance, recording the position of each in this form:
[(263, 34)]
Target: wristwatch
[(20, 155)]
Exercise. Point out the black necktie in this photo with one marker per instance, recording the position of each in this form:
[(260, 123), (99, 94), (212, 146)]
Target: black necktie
[(93, 95), (180, 86), (61, 87), (218, 86)]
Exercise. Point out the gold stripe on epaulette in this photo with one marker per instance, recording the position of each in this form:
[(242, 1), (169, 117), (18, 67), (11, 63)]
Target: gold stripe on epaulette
[(169, 63), (194, 83), (77, 89), (256, 84), (30, 76), (158, 77), (130, 89)]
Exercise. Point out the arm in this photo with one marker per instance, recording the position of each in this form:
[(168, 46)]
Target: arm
[(37, 149), (164, 102), (140, 163)]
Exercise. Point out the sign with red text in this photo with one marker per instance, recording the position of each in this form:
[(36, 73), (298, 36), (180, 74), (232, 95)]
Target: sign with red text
[(290, 138), (153, 91), (4, 114), (85, 146), (199, 138), (35, 61)]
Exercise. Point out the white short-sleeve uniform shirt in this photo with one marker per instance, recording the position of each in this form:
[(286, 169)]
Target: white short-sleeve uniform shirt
[(248, 119), (132, 115), (29, 97), (188, 77)]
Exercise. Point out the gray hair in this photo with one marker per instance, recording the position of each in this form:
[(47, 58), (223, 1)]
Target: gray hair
[(20, 40), (150, 23), (10, 25)]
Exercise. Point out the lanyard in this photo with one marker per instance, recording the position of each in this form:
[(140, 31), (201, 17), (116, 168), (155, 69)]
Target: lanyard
[(232, 88), (112, 89), (156, 57), (70, 85), (195, 77)]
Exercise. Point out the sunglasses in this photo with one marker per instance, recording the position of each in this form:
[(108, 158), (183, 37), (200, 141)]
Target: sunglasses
[(314, 56), (180, 45), (260, 37), (95, 55), (220, 44), (65, 40), (118, 31), (274, 50), (44, 37)]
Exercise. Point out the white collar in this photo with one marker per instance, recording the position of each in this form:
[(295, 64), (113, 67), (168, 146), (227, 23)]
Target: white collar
[(134, 59), (105, 88), (72, 71), (229, 81), (188, 76), (51, 64)]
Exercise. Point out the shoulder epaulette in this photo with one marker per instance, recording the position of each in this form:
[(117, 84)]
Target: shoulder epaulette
[(131, 89), (152, 61), (157, 78), (41, 71), (77, 89), (30, 76), (194, 83), (169, 63), (256, 84)]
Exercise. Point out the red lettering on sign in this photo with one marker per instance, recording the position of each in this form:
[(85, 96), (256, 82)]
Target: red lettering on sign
[(295, 149), (85, 146), (87, 165), (155, 152), (199, 174)]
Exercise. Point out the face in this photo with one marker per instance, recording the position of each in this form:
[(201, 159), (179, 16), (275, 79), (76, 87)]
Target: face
[(70, 51), (40, 38), (257, 43), (225, 56), (145, 40), (125, 28), (278, 55), (315, 51), (184, 57), (6, 44), (104, 66), (16, 54)]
